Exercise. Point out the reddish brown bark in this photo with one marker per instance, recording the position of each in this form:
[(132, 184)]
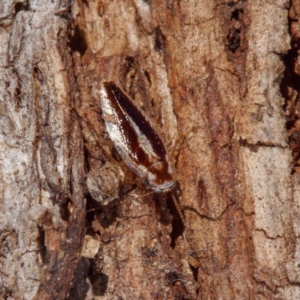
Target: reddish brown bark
[(217, 79)]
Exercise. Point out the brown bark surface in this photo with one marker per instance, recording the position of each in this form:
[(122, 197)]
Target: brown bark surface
[(219, 82)]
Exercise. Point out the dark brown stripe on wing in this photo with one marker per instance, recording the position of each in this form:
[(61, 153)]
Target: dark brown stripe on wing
[(141, 122), (130, 138)]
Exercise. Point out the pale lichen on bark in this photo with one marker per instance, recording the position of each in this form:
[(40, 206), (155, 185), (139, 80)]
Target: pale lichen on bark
[(35, 156)]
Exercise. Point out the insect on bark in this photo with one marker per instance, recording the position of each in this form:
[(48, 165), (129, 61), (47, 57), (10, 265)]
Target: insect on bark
[(136, 141)]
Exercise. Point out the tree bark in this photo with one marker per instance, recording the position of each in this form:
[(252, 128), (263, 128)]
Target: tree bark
[(219, 82)]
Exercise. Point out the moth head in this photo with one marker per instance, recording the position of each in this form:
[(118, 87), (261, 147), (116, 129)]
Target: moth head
[(160, 177)]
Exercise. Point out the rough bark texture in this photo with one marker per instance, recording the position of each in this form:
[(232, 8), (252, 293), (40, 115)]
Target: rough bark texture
[(219, 80)]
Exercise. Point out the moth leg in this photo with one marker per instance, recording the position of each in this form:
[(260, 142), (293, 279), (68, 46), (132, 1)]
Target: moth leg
[(138, 187)]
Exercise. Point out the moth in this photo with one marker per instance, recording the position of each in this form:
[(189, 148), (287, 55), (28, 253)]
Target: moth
[(134, 138)]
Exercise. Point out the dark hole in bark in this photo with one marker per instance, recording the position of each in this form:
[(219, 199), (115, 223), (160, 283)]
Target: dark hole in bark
[(235, 15), (7, 293), (38, 75), (64, 208), (195, 272), (234, 34), (148, 77), (109, 215), (129, 62), (290, 78), (98, 279), (90, 215), (99, 283), (86, 2), (177, 225), (86, 156), (79, 285), (21, 6), (233, 39), (291, 81), (105, 215), (18, 97), (160, 40), (201, 192), (41, 240), (78, 41)]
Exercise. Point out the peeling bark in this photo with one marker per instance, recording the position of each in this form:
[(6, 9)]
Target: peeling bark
[(219, 82)]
